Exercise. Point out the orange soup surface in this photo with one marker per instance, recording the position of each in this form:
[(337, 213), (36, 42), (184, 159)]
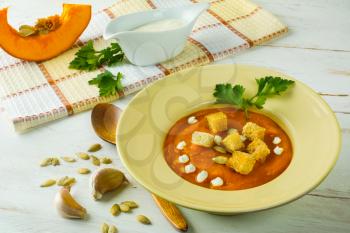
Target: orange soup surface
[(201, 157)]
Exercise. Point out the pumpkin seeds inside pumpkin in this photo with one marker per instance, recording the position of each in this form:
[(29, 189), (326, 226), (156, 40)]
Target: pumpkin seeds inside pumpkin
[(26, 30)]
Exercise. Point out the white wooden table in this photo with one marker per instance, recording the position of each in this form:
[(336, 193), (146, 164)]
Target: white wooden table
[(316, 51)]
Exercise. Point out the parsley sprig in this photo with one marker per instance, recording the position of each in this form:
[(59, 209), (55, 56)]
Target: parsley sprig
[(108, 83), (267, 87), (87, 58)]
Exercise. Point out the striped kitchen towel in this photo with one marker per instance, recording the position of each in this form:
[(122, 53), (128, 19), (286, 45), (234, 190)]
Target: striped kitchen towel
[(35, 93)]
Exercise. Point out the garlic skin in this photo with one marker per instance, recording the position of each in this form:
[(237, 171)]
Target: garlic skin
[(67, 206), (104, 180)]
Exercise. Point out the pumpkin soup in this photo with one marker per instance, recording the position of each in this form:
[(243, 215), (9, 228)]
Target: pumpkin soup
[(219, 148)]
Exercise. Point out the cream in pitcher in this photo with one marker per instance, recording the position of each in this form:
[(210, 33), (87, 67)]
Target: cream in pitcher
[(161, 25), (154, 36)]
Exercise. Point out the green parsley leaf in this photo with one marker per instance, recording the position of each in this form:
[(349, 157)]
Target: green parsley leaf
[(225, 93), (111, 55), (108, 83), (87, 58), (267, 87)]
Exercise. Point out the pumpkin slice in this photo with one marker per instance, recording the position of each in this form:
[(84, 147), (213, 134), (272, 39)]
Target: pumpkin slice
[(39, 47)]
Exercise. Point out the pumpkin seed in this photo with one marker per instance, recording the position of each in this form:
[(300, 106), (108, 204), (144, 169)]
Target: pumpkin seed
[(48, 183), (131, 204), (43, 32), (46, 162), (143, 219), (26, 30), (104, 228), (115, 210), (95, 147), (95, 160), (219, 149), (83, 156), (106, 160), (83, 170), (68, 159), (66, 181), (112, 229), (124, 208), (220, 159), (50, 161), (55, 161)]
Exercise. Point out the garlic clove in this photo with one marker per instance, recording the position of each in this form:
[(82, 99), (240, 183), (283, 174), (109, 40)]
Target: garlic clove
[(104, 180), (67, 206)]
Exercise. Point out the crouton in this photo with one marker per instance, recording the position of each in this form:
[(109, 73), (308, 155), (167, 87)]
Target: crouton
[(241, 162), (217, 122), (253, 131), (258, 149), (202, 139), (233, 142)]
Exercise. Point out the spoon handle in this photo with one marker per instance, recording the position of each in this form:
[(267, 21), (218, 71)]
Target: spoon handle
[(172, 213)]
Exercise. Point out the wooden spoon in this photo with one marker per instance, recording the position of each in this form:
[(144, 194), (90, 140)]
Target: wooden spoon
[(104, 119)]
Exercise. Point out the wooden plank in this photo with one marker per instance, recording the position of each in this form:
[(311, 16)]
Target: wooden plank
[(313, 24), (316, 68)]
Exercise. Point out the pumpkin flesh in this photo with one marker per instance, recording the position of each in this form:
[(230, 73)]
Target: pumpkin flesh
[(73, 21)]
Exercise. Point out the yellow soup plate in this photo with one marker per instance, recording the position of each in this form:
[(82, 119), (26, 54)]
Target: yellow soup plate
[(308, 120)]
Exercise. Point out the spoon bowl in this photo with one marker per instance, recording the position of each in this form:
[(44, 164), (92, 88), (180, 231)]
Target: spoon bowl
[(104, 119)]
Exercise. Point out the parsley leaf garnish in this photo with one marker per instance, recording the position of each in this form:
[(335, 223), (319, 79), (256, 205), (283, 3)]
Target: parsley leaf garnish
[(108, 83), (267, 87), (87, 58)]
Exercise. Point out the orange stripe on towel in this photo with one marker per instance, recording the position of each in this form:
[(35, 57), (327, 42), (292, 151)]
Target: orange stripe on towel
[(202, 47), (58, 92)]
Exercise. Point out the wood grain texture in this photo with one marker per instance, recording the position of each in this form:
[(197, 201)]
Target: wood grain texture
[(172, 213), (314, 25), (316, 52)]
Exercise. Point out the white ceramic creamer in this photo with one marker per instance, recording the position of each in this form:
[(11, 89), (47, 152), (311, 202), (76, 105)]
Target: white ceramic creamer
[(154, 36)]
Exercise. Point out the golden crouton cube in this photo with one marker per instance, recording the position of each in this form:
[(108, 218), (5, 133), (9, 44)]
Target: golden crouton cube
[(258, 149), (202, 139), (217, 122), (241, 162), (233, 142), (253, 131)]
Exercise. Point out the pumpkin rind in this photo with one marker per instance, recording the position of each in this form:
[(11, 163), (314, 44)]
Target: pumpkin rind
[(74, 19)]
